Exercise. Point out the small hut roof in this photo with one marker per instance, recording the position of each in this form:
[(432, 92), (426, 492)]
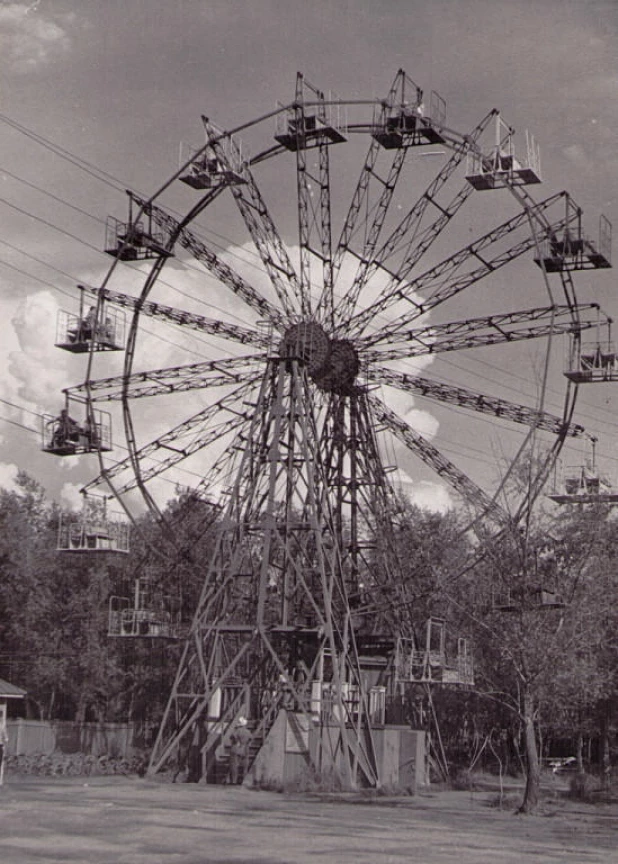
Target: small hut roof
[(10, 691)]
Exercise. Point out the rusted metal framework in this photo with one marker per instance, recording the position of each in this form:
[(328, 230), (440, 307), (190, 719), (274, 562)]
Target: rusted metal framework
[(288, 427)]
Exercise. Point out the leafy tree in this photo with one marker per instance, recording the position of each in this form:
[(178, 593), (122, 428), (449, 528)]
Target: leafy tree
[(53, 609), (27, 558), (583, 694), (537, 623), (427, 549), (169, 559)]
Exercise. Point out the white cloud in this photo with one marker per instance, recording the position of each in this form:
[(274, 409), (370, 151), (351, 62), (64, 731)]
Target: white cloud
[(29, 39), (426, 494), (422, 422), (70, 496), (430, 496), (8, 475), (34, 378)]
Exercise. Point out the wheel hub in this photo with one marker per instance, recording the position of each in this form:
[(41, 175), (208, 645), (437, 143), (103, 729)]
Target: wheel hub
[(332, 364)]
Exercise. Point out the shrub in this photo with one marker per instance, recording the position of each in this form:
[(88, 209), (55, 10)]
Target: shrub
[(582, 786), (73, 764), (463, 781)]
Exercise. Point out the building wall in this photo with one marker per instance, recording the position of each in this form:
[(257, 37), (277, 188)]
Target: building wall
[(268, 769), (294, 745)]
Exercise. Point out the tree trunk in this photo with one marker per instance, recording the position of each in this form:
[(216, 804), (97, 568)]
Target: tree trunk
[(606, 766), (131, 706), (40, 707), (579, 752), (50, 706), (80, 711), (533, 773)]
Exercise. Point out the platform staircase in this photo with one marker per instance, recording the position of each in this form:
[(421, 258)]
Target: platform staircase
[(216, 750)]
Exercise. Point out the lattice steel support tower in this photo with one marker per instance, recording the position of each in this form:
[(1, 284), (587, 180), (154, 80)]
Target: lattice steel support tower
[(287, 573)]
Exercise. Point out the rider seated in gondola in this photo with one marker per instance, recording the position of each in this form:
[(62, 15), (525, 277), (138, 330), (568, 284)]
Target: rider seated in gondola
[(66, 430)]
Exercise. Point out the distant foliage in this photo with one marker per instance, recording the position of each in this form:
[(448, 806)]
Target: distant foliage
[(538, 604), (54, 610)]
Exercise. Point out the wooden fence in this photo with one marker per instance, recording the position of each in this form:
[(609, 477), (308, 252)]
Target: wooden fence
[(115, 740)]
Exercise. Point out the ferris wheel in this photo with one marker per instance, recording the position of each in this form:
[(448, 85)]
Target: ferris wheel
[(351, 312), (368, 304)]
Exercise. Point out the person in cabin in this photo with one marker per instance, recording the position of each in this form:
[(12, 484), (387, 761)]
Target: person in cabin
[(66, 430), (88, 324)]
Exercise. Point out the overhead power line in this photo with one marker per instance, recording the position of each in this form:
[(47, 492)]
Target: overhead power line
[(20, 425), (113, 182), (89, 168)]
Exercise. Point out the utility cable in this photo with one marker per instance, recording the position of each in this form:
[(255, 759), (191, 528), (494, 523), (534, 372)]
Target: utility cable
[(77, 160), (110, 180)]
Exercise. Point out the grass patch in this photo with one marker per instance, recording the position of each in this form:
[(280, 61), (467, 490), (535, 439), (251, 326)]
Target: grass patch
[(509, 801)]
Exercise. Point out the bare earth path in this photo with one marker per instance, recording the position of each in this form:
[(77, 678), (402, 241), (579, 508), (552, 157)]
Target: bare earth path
[(130, 821)]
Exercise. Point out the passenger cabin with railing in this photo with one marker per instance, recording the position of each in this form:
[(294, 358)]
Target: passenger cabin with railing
[(207, 171), (89, 329), (313, 120), (583, 484), (571, 249), (62, 435), (441, 660), (528, 599), (497, 167), (92, 530), (220, 163), (142, 615), (591, 361), (402, 119), (136, 239)]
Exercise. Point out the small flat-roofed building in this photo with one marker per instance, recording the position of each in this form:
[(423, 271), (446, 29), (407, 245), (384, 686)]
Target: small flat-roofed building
[(7, 691)]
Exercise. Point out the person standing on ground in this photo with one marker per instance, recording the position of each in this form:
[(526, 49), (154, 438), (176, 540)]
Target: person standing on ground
[(239, 752)]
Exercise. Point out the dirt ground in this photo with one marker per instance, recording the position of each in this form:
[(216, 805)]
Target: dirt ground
[(140, 821)]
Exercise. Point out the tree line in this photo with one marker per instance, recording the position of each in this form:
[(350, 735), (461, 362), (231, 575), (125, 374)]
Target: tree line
[(537, 602)]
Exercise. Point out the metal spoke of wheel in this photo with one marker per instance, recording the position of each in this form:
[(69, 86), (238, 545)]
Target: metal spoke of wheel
[(430, 455), (478, 402), (372, 232), (174, 379), (268, 244), (226, 275), (438, 282), (173, 315), (487, 330)]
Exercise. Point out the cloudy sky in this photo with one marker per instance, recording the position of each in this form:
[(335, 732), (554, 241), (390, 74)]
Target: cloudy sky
[(97, 95)]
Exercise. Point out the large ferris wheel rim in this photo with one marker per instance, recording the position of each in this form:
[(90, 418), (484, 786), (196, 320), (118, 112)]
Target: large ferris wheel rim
[(453, 141)]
